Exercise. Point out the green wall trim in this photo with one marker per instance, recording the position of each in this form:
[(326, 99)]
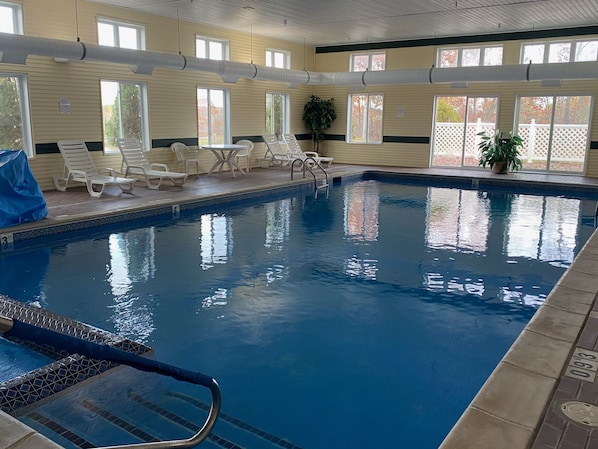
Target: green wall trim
[(454, 40), (52, 148)]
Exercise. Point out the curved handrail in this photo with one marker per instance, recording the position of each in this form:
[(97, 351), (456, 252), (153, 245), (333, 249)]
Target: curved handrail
[(188, 442), (18, 329), (309, 168)]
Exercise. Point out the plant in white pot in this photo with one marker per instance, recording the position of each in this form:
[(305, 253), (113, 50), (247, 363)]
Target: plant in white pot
[(500, 151)]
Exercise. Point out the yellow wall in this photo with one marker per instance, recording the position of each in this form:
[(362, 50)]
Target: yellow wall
[(172, 104), (417, 104)]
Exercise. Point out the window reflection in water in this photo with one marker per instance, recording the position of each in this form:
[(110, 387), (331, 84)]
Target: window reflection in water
[(543, 228), (456, 220), (535, 228), (131, 260), (278, 216), (361, 222), (218, 298), (216, 240), (362, 202)]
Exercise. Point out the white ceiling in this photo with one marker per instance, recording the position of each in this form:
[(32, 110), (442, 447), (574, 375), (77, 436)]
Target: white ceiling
[(338, 22)]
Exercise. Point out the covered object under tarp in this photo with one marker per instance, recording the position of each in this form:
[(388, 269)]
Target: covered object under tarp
[(21, 199)]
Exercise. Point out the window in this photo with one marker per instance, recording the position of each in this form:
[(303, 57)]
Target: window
[(555, 131), (360, 62), (365, 118), (469, 56), (124, 112), (562, 51), (15, 123), (208, 48), (121, 34), (457, 121), (278, 58), (277, 113), (213, 123), (11, 18)]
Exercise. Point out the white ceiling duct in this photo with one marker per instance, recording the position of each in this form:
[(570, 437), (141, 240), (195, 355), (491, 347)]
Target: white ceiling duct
[(16, 48)]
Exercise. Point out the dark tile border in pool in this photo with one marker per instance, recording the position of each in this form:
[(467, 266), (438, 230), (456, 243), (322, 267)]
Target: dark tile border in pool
[(67, 370), (30, 235)]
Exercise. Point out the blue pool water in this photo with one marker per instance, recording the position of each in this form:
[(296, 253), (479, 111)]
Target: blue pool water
[(17, 360), (366, 319)]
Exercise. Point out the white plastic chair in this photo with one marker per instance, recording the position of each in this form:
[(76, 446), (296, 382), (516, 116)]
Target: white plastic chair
[(245, 153), (138, 165), (185, 157), (297, 153), (275, 154), (79, 166)]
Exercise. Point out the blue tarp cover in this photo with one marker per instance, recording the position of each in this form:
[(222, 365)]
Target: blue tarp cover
[(21, 199)]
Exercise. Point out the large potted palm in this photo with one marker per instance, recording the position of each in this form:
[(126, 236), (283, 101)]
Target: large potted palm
[(318, 115), (500, 151)]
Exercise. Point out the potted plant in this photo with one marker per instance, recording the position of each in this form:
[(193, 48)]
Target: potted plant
[(500, 151), (318, 115)]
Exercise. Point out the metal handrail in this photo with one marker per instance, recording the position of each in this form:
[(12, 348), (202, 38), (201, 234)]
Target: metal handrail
[(11, 327), (188, 442), (305, 165)]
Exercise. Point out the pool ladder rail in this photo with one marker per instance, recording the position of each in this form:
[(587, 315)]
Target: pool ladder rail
[(310, 164), (18, 329)]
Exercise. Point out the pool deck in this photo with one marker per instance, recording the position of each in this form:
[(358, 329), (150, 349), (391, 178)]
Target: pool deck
[(540, 396)]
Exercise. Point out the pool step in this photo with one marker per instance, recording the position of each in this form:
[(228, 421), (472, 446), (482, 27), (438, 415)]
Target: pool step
[(90, 423)]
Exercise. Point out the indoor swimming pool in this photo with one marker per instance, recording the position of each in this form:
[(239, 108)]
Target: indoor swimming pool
[(368, 317)]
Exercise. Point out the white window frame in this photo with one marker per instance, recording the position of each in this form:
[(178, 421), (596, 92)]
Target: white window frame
[(286, 112), (25, 111), (370, 56), (116, 26), (145, 134), (205, 42), (546, 49), (272, 55), (350, 118), (460, 50), (226, 106), (16, 10)]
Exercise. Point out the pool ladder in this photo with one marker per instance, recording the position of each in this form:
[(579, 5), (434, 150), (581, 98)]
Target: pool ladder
[(310, 164)]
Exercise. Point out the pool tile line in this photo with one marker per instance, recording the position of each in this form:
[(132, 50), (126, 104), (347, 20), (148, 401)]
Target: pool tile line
[(281, 442), (182, 422), (58, 429)]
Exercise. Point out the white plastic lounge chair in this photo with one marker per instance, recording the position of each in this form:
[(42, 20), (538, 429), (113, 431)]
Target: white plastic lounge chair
[(245, 153), (138, 165), (275, 154), (185, 156), (79, 167), (297, 153)]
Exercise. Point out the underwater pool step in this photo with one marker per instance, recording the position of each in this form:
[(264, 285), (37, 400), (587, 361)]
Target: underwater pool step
[(281, 442), (59, 429)]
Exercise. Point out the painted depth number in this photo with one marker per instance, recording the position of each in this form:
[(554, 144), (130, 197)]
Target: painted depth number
[(583, 365), (6, 242)]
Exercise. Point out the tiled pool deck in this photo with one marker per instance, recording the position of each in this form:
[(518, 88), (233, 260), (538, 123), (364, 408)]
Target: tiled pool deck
[(549, 370)]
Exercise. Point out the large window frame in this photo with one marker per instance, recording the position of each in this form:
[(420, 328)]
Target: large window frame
[(115, 33), (362, 123), (277, 113), (469, 56), (372, 61), (11, 18), (14, 89), (559, 51), (213, 122), (210, 48), (278, 58), (119, 97)]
